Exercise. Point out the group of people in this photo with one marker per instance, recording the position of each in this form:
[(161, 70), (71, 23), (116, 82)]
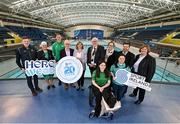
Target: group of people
[(103, 65), (59, 50)]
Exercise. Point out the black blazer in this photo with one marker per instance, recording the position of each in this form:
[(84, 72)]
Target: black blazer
[(63, 52), (146, 67), (129, 58), (99, 55), (41, 55), (111, 59), (23, 54)]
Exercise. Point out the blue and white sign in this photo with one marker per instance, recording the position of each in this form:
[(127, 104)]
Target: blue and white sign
[(131, 79), (39, 67), (69, 69)]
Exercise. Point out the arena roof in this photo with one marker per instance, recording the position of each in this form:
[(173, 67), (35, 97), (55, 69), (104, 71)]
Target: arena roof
[(104, 12)]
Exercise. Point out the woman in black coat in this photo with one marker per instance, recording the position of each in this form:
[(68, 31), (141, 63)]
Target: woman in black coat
[(111, 55), (144, 65), (46, 54)]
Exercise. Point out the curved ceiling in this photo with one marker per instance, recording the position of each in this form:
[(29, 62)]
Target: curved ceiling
[(104, 12)]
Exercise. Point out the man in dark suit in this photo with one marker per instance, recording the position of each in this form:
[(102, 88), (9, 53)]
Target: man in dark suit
[(95, 53), (67, 51), (129, 58), (27, 52)]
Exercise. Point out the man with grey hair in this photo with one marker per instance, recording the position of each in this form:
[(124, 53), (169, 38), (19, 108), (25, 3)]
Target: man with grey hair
[(95, 53)]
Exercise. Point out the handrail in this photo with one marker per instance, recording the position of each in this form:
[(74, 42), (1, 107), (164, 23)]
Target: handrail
[(169, 58), (7, 56)]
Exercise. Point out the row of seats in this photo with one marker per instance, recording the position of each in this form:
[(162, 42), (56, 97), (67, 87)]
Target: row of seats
[(143, 35), (35, 34)]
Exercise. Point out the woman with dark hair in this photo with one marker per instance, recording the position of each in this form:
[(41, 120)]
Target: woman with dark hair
[(100, 86), (110, 55), (118, 87), (144, 65)]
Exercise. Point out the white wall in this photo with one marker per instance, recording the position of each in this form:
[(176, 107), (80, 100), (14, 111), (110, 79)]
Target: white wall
[(107, 31)]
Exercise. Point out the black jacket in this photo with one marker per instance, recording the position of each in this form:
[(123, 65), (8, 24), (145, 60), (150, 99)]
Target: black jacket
[(63, 52), (146, 67), (111, 59), (99, 55), (41, 55), (129, 59), (23, 54)]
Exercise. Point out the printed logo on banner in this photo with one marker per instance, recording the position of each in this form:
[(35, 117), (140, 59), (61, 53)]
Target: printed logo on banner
[(122, 76), (131, 79), (39, 67), (69, 69)]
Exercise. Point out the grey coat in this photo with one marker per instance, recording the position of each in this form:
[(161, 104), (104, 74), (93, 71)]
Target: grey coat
[(83, 58)]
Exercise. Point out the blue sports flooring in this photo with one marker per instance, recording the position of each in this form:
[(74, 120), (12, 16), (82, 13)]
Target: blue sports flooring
[(161, 105)]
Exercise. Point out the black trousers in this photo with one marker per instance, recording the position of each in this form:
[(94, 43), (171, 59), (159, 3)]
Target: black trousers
[(81, 80), (106, 94), (30, 84), (91, 69), (91, 94), (141, 93)]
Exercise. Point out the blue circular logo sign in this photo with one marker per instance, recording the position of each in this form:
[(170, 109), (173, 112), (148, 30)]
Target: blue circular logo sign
[(69, 69), (122, 76)]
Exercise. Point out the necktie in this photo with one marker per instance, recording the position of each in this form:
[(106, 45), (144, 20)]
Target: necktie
[(93, 55)]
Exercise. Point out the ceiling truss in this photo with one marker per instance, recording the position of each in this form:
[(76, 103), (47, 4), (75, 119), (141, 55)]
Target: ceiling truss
[(104, 12)]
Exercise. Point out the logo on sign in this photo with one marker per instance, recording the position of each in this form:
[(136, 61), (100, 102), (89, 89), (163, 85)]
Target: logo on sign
[(131, 79), (39, 67), (69, 69)]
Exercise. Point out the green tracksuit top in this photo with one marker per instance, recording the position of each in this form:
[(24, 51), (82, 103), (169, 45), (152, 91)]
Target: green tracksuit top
[(56, 48)]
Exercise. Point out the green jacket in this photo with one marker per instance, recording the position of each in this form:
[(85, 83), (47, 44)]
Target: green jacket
[(56, 48)]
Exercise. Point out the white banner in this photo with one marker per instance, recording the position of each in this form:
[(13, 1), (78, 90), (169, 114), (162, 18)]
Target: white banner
[(39, 67), (131, 79), (69, 69)]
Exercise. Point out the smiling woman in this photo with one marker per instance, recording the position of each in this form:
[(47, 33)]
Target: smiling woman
[(88, 38)]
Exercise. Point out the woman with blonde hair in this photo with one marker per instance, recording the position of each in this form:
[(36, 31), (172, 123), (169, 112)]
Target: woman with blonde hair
[(80, 54)]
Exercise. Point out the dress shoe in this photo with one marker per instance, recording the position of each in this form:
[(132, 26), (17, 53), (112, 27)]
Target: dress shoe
[(92, 114), (53, 86), (66, 86), (78, 89), (82, 88), (34, 93), (39, 90), (137, 102), (132, 95), (48, 87)]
